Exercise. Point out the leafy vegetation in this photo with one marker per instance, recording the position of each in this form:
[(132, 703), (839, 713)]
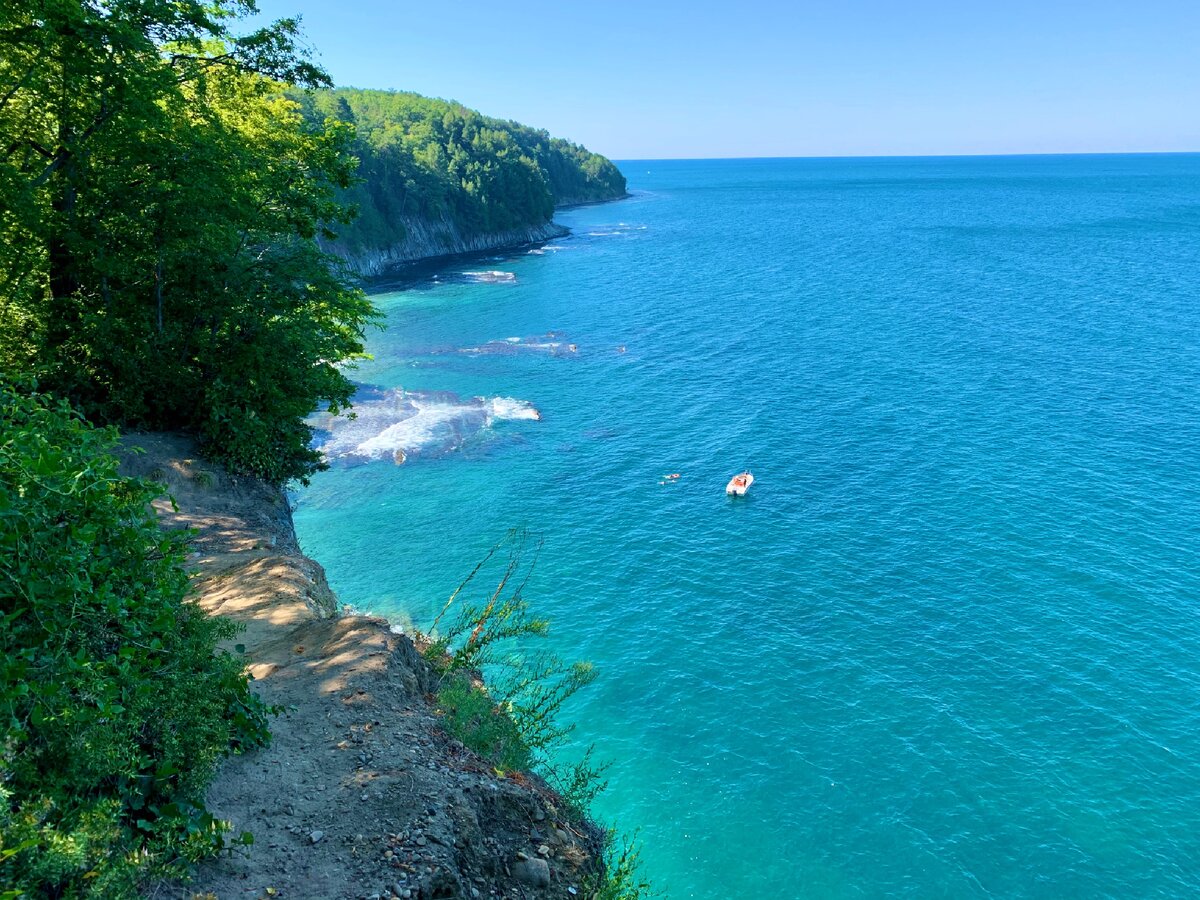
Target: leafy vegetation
[(623, 878), (167, 187), (114, 704), (161, 200), (429, 159), (514, 720)]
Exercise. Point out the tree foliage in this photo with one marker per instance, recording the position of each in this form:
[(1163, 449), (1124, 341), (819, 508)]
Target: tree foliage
[(431, 159), (161, 200), (114, 705)]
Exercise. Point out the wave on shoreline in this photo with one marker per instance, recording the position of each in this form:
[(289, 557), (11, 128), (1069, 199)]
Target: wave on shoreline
[(400, 425)]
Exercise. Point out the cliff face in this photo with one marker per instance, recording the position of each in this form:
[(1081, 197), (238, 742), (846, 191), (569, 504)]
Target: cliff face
[(361, 793), (566, 202), (429, 239)]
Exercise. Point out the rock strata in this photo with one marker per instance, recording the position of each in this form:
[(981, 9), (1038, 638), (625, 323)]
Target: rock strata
[(428, 239)]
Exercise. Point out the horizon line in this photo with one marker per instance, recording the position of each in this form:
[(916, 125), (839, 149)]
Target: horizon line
[(908, 156)]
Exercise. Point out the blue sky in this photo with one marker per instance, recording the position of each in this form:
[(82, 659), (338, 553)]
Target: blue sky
[(844, 77)]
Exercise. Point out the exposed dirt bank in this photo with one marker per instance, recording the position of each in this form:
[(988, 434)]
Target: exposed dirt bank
[(360, 795)]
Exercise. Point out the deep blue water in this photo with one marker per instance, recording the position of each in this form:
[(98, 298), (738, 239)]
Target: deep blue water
[(950, 644)]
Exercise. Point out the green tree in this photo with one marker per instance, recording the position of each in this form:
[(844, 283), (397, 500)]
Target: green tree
[(158, 262), (429, 159)]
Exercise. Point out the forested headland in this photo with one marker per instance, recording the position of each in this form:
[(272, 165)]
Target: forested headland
[(179, 204), (172, 184), (441, 166)]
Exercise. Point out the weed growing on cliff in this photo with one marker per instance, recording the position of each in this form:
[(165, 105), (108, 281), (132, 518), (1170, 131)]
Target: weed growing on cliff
[(473, 717), (528, 687), (502, 616), (579, 783), (623, 879), (514, 720)]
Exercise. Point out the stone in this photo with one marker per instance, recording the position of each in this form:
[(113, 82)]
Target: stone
[(533, 872), (316, 836), (543, 850)]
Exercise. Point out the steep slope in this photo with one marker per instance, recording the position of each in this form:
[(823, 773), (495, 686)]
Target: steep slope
[(438, 178), (361, 793)]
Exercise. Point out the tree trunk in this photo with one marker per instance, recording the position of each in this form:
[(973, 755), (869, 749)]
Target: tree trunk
[(64, 280)]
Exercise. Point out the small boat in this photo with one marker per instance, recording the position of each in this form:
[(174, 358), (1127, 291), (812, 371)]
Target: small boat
[(739, 484)]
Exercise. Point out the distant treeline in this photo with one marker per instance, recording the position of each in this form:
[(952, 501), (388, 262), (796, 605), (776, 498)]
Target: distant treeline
[(435, 160)]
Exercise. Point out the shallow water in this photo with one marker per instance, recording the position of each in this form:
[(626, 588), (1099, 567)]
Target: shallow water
[(949, 645)]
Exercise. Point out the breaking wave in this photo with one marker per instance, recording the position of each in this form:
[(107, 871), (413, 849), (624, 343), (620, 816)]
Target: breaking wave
[(492, 276), (620, 229), (400, 425), (550, 343)]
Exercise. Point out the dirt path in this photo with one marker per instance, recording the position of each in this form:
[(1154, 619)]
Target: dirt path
[(360, 795)]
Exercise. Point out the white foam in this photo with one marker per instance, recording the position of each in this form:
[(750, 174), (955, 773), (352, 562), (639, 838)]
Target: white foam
[(399, 425), (511, 408), (621, 228), (493, 276), (512, 346)]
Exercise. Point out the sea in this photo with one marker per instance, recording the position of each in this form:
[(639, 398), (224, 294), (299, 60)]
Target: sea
[(948, 646)]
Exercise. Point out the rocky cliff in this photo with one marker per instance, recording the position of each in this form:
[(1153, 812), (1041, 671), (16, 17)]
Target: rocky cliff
[(361, 794), (429, 239)]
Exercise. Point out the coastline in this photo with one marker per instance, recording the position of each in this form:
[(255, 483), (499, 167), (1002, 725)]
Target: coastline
[(572, 203), (361, 793), (427, 242), (435, 242)]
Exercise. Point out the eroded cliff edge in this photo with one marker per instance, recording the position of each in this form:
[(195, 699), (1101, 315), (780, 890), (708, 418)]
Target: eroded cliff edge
[(361, 794), (426, 239)]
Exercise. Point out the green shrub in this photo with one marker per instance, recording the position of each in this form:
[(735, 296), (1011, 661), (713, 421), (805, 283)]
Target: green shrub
[(114, 705), (623, 879), (473, 717), (514, 721), (529, 686)]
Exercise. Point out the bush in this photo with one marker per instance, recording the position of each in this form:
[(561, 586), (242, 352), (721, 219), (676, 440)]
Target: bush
[(514, 720), (115, 706)]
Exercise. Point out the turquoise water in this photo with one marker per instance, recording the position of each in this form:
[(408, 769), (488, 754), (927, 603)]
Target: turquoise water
[(949, 646)]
